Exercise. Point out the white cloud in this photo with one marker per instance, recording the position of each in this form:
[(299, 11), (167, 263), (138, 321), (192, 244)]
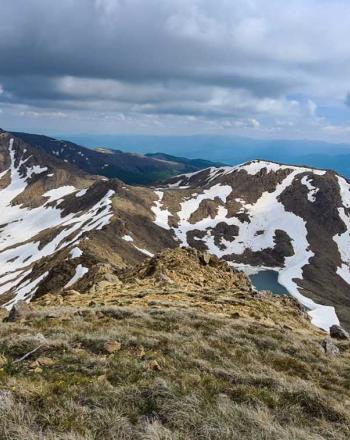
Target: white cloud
[(254, 123)]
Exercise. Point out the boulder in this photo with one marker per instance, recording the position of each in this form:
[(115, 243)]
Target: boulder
[(329, 347), (19, 311), (338, 332)]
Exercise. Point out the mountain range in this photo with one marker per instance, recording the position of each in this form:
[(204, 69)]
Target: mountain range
[(233, 150), (64, 228), (132, 168)]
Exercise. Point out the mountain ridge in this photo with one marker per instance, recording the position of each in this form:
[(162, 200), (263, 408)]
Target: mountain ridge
[(242, 214), (132, 168)]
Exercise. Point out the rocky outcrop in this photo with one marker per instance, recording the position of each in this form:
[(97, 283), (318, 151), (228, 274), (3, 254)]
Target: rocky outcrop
[(19, 311), (338, 332), (330, 348), (188, 268)]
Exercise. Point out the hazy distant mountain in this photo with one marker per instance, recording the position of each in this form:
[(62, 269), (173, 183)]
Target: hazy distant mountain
[(132, 168), (232, 149), (196, 164)]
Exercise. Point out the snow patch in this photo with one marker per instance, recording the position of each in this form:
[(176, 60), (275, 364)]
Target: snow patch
[(312, 189), (162, 215), (343, 240), (81, 193), (127, 238), (58, 193), (80, 271), (27, 291), (75, 253), (145, 251)]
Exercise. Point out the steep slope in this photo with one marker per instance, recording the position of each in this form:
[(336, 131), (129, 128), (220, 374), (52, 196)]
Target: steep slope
[(260, 215), (191, 165), (57, 222), (180, 348), (130, 168)]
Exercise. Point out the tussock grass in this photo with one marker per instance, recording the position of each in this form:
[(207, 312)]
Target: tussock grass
[(182, 373)]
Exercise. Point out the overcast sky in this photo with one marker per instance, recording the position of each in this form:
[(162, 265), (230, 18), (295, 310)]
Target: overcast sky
[(262, 68)]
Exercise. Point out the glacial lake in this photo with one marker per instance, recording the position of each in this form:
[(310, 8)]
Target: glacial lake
[(268, 280)]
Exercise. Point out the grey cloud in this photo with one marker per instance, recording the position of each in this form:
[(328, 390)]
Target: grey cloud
[(180, 57)]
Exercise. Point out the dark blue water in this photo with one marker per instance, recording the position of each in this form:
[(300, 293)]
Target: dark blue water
[(268, 280)]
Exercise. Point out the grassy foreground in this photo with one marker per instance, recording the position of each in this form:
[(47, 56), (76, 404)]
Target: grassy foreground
[(168, 364)]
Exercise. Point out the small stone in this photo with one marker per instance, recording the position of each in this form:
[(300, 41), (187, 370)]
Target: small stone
[(330, 348), (153, 365), (112, 346), (33, 365), (45, 361), (338, 332), (41, 362)]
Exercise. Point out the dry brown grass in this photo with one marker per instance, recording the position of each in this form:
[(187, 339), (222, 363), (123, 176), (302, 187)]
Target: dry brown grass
[(228, 366)]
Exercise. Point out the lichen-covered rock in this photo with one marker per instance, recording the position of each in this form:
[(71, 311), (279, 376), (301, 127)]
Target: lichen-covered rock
[(330, 348)]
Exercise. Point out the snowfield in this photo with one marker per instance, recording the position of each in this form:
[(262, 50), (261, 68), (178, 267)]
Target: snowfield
[(267, 214), (20, 246)]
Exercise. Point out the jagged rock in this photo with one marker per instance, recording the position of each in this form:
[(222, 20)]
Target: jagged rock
[(188, 269), (205, 258), (329, 347), (19, 311), (338, 332)]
